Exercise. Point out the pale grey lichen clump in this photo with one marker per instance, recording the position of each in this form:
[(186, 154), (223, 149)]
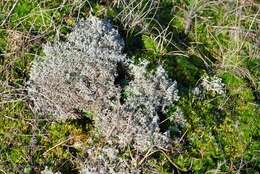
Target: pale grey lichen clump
[(48, 171), (210, 84), (104, 160), (136, 122), (80, 74)]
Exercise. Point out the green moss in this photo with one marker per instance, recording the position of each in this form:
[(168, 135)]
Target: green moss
[(149, 44), (55, 141), (233, 140), (2, 48), (184, 70), (237, 86), (98, 9), (27, 15), (13, 131), (221, 128), (17, 156), (2, 40), (23, 8)]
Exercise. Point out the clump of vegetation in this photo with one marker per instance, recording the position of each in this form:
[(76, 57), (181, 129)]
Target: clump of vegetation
[(78, 74), (81, 74)]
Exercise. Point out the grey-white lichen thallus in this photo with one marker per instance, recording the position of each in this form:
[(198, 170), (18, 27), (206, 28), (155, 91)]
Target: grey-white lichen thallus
[(80, 75), (209, 84), (77, 74), (213, 84)]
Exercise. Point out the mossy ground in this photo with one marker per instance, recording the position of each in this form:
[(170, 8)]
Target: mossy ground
[(202, 37)]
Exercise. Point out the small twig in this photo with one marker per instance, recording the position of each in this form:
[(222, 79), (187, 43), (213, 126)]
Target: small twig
[(2, 171), (10, 12), (183, 136), (13, 101), (57, 145), (149, 153), (169, 159), (14, 119), (188, 21), (111, 131)]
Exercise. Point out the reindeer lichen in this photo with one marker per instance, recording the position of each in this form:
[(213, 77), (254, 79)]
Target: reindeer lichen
[(81, 74)]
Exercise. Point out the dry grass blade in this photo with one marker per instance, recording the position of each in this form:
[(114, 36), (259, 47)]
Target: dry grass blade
[(10, 12), (57, 145), (136, 13)]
